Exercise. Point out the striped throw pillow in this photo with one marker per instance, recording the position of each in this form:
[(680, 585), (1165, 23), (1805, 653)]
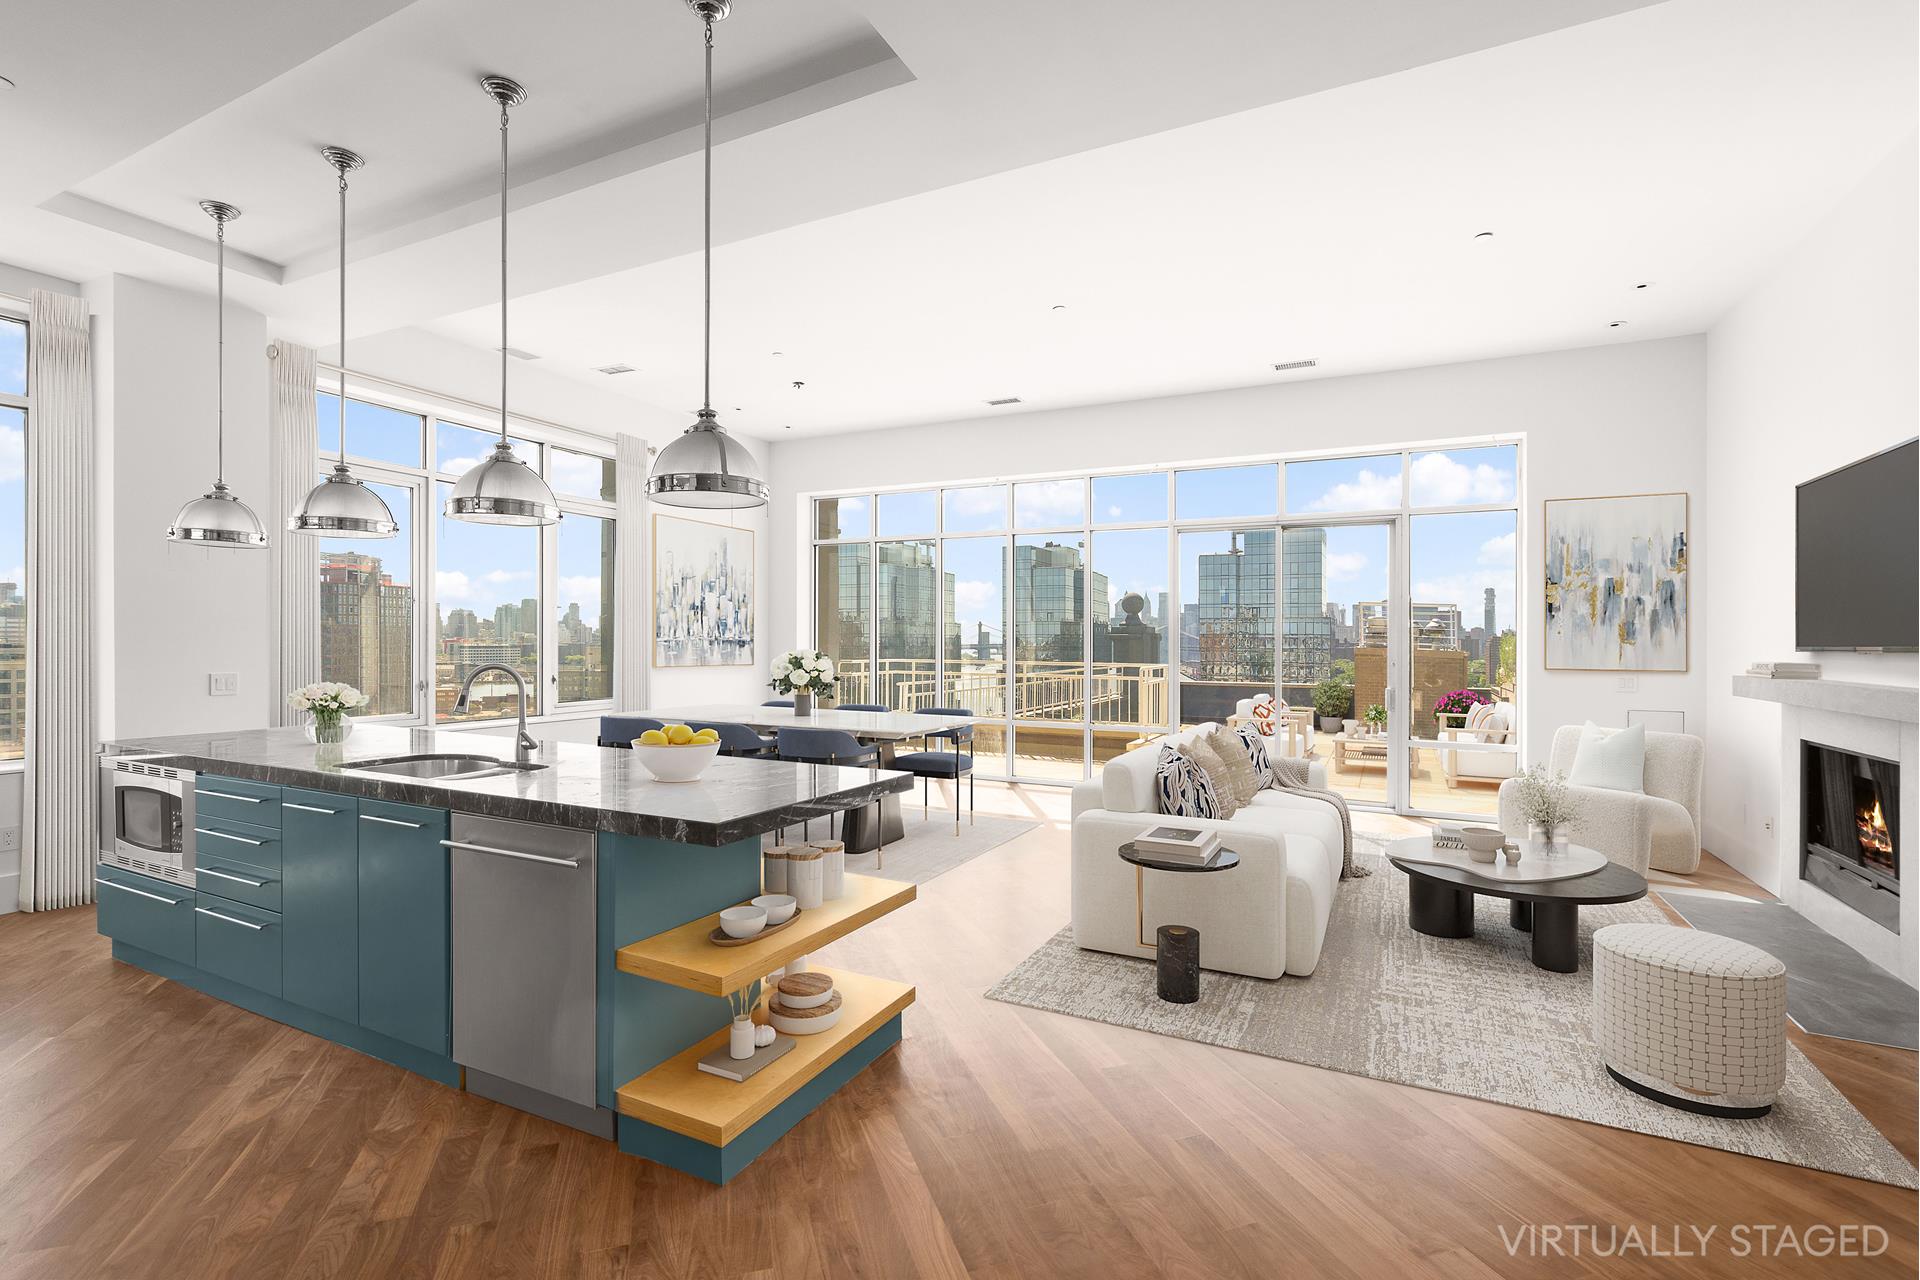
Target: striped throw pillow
[(1257, 754), (1184, 791)]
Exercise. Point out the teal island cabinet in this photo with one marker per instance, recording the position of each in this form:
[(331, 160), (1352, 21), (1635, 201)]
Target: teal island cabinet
[(326, 897)]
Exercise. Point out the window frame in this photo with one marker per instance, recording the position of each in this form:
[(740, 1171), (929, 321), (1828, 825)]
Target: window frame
[(18, 310)]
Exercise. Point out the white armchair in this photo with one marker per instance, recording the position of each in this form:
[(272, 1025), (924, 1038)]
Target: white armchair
[(1489, 724), (1658, 829), (1292, 725)]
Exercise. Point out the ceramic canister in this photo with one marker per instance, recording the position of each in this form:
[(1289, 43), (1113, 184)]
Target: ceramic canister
[(740, 1039), (833, 882), (776, 870), (806, 872)]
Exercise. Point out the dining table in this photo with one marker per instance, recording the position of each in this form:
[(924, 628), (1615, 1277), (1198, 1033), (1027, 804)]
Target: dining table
[(884, 729)]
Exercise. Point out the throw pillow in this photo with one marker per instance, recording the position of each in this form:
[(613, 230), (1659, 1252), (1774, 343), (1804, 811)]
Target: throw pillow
[(1611, 759), (1256, 755), (1240, 776), (1183, 790), (1200, 750)]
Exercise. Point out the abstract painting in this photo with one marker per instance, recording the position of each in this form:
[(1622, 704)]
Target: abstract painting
[(702, 594), (1616, 583)]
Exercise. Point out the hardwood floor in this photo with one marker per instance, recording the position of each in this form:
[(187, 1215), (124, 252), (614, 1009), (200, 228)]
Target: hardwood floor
[(146, 1130)]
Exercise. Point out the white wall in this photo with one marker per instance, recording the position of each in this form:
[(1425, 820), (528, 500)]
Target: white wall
[(1815, 368), (1626, 418)]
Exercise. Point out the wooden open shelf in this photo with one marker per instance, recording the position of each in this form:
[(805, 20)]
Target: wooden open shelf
[(684, 957), (677, 1095)]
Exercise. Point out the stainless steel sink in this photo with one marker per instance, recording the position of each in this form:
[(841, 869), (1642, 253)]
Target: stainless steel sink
[(442, 766)]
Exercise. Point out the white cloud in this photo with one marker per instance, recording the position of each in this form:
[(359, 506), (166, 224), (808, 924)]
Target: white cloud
[(1367, 491), (1114, 513), (1468, 590), (1498, 552), (500, 577), (1439, 481), (459, 466), (451, 584), (13, 454), (576, 473), (1344, 566), (988, 501), (583, 590), (1048, 501), (973, 598)]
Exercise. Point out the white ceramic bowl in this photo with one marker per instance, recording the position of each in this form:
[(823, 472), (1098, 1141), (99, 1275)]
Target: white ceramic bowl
[(676, 764), (803, 1002), (778, 906), (1483, 843), (742, 922), (800, 1026)]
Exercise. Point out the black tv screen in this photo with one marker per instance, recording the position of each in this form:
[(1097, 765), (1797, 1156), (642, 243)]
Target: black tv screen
[(1857, 554)]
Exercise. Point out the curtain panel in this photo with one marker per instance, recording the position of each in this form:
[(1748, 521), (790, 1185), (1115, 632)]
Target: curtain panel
[(633, 590), (292, 383), (61, 789)]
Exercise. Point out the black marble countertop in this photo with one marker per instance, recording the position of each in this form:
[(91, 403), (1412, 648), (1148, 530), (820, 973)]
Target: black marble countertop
[(597, 788)]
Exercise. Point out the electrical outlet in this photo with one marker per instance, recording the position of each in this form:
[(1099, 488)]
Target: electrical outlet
[(1766, 825), (1626, 684), (9, 838), (223, 684)]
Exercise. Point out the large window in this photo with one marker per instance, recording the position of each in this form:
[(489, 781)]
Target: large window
[(13, 537), (406, 620), (1081, 615)]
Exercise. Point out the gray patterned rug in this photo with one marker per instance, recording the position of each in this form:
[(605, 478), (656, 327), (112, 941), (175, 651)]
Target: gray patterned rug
[(1464, 1016)]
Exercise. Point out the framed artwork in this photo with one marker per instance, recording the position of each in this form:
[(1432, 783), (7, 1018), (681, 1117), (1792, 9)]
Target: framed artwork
[(703, 613), (1617, 583)]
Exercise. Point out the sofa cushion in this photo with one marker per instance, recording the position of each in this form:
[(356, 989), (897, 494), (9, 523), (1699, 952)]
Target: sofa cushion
[(1183, 788), (1233, 757), (1257, 759), (1201, 751), (1611, 759)]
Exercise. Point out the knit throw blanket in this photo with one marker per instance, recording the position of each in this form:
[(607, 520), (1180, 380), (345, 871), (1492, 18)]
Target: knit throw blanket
[(1291, 775)]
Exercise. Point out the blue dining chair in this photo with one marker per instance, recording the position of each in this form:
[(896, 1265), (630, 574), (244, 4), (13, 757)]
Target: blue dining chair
[(736, 739), (778, 702), (620, 731), (861, 706), (829, 746), (928, 765)]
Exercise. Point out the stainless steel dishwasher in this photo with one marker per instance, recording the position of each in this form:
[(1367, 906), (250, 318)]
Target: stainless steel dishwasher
[(525, 981)]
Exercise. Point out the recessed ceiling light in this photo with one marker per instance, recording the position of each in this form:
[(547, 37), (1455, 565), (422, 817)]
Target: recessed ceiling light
[(1059, 306), (779, 353), (1483, 235), (1616, 324)]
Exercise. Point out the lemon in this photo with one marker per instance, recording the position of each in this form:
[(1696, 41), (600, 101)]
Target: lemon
[(654, 738), (707, 735), (679, 735)]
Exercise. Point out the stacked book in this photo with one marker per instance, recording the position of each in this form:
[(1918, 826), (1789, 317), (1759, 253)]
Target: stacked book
[(1178, 844), (1785, 670)]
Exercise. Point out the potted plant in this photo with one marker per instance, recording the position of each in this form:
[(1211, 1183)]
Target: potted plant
[(804, 673), (1451, 707), (1548, 806), (1332, 700), (1376, 719), (328, 703)]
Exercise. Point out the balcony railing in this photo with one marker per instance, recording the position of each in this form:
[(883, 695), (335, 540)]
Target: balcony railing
[(1106, 693)]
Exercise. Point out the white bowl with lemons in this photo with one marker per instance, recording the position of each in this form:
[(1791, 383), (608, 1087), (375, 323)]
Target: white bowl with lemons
[(676, 752)]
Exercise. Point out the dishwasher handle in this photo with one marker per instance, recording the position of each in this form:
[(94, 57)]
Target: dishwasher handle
[(571, 863)]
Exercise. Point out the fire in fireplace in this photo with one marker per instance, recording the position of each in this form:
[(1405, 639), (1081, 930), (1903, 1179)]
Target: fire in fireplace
[(1850, 823)]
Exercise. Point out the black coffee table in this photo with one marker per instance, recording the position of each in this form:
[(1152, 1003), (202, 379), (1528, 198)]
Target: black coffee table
[(1440, 905), (1176, 946)]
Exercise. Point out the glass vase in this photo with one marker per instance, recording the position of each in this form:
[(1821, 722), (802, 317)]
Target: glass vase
[(332, 730)]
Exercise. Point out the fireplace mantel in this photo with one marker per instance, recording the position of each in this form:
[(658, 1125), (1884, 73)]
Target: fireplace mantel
[(1899, 703)]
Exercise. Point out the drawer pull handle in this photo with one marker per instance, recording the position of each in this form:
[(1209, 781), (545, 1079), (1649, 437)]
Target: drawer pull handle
[(244, 924), (392, 822), (224, 836), (512, 853), (228, 795), (127, 888), (227, 875), (307, 808)]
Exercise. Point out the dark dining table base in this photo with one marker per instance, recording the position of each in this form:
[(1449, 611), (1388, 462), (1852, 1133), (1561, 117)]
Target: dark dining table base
[(857, 828)]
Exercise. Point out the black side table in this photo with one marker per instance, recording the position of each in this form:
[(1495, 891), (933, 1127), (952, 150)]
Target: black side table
[(1176, 946)]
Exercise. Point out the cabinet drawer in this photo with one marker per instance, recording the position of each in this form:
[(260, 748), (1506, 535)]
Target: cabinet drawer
[(253, 802), (239, 881), (237, 942), (240, 841), (141, 912)]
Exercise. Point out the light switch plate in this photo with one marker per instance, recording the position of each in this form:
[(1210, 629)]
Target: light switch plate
[(223, 684), (1626, 684)]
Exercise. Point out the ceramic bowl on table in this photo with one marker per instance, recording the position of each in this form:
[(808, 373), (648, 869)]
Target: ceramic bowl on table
[(1483, 843), (676, 764), (778, 906), (743, 922)]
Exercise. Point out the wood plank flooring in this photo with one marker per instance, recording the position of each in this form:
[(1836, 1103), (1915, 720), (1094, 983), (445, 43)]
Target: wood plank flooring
[(146, 1130)]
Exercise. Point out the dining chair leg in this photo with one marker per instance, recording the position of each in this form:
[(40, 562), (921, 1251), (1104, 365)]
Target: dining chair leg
[(969, 797), (926, 794), (956, 806), (879, 836)]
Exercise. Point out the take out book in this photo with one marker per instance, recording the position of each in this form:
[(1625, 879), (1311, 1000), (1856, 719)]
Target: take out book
[(1178, 842)]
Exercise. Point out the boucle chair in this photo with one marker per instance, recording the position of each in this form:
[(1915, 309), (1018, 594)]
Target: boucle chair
[(1660, 828), (1690, 1019)]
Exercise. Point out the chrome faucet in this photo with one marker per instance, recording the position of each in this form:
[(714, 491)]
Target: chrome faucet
[(524, 746)]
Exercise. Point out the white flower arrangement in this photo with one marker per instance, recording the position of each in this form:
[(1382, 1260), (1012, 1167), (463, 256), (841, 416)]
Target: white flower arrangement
[(1544, 799), (803, 671), (327, 700)]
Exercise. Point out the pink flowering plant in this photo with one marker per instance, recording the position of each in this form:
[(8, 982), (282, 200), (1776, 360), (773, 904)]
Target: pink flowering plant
[(1460, 701)]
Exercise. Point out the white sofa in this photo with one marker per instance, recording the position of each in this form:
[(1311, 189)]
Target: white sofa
[(1299, 738), (1660, 828), (1489, 724), (1264, 918)]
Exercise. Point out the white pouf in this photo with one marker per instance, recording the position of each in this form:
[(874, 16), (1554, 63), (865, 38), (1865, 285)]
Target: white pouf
[(1691, 1019)]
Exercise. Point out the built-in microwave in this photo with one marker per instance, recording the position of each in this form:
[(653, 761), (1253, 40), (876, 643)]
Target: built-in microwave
[(146, 818)]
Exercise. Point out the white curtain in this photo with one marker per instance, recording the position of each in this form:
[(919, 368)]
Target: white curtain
[(292, 372), (61, 789), (633, 589)]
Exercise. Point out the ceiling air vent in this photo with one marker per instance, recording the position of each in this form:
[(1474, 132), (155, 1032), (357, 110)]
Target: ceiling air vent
[(519, 353), (1007, 400), (611, 369), (1291, 365)]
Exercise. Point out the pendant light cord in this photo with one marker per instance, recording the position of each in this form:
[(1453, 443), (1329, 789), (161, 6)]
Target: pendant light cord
[(220, 377), (706, 372), (503, 273), (343, 318)]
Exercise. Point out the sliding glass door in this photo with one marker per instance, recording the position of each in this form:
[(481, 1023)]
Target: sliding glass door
[(1339, 657)]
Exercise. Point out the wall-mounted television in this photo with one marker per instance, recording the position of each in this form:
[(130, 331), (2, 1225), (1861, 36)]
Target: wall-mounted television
[(1857, 555)]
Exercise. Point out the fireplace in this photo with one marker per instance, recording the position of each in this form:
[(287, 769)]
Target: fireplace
[(1850, 820)]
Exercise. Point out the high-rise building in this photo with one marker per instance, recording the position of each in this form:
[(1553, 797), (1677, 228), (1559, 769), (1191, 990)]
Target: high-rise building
[(366, 630), (1306, 632), (1234, 612), (1492, 630), (1049, 602), (1435, 626), (13, 671)]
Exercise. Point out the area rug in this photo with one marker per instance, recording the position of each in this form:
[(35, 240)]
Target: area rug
[(930, 848), (1469, 1016), (1832, 990)]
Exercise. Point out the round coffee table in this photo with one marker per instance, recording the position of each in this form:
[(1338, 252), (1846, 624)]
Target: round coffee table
[(1440, 902), (1176, 960)]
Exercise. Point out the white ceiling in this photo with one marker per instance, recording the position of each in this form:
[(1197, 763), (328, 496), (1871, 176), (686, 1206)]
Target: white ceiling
[(907, 187)]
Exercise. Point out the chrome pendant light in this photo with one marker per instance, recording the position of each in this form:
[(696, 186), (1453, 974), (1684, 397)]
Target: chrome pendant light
[(341, 506), (503, 489), (219, 519), (706, 467)]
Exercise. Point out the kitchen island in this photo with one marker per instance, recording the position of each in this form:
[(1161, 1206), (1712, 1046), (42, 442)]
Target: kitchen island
[(531, 930)]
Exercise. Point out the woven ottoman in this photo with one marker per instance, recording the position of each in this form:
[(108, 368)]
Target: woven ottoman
[(1690, 1019)]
